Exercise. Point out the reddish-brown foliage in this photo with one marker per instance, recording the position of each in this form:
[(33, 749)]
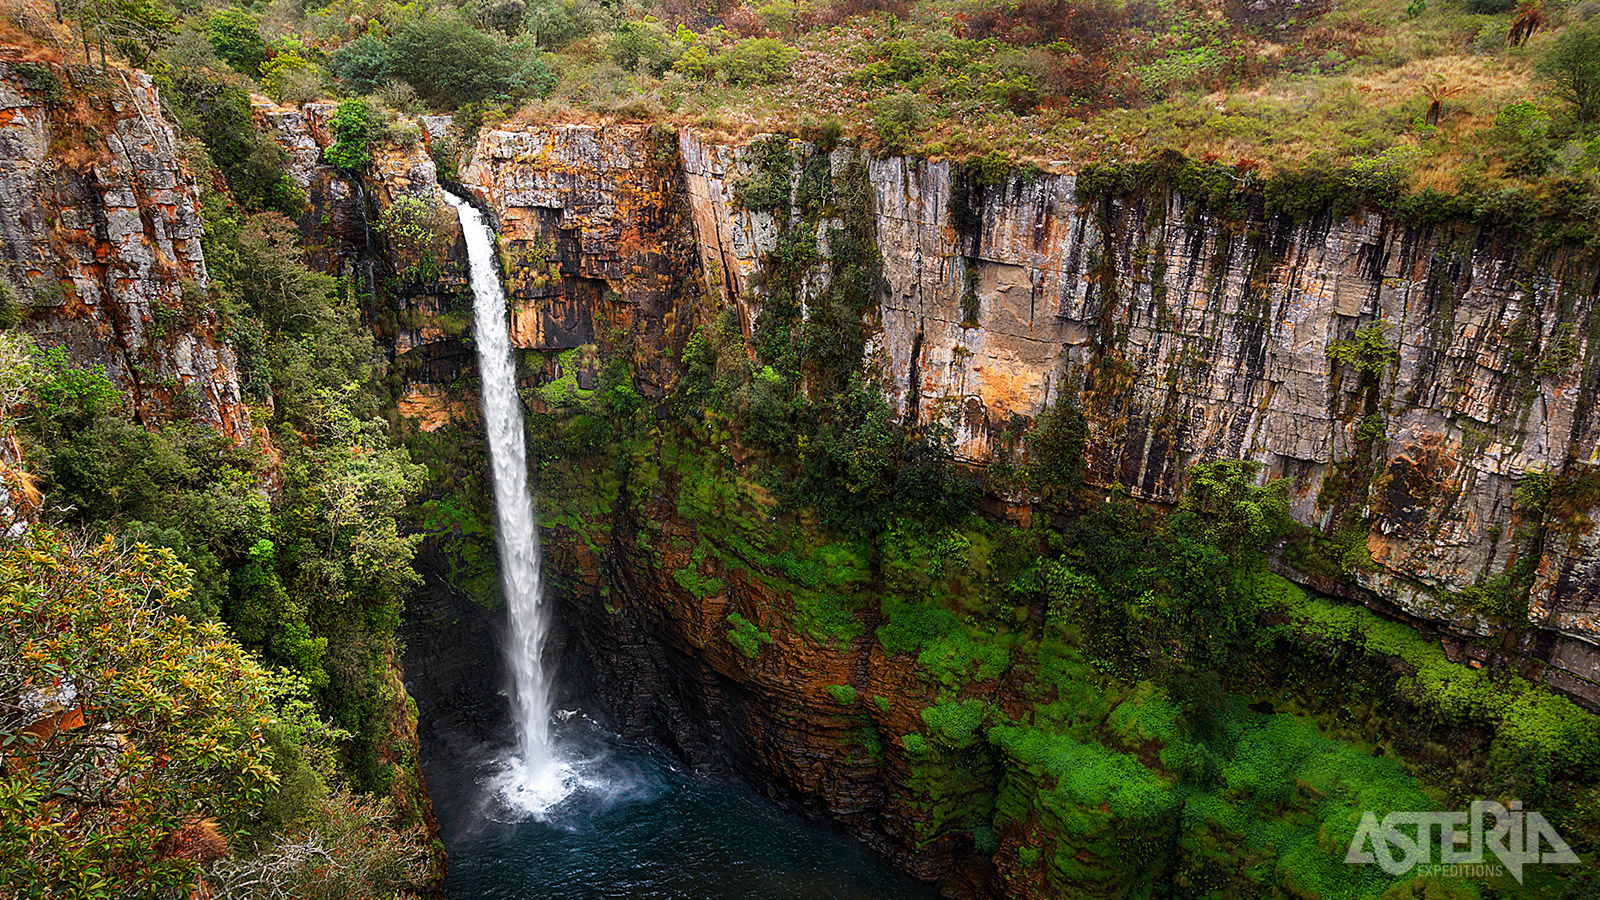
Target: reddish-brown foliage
[(1090, 26), (199, 841)]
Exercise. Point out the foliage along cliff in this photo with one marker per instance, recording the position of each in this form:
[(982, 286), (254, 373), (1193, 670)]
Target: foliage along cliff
[(178, 381)]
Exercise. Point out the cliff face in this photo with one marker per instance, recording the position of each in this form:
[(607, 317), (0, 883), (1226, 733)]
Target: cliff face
[(350, 229), (595, 237), (101, 255), (1182, 336), (100, 238)]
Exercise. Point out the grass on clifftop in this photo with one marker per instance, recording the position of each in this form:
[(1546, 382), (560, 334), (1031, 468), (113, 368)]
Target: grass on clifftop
[(1459, 95)]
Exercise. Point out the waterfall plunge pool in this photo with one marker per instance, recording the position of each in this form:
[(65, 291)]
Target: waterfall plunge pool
[(642, 827), (576, 815)]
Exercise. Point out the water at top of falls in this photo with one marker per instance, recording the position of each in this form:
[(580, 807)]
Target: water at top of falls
[(535, 778)]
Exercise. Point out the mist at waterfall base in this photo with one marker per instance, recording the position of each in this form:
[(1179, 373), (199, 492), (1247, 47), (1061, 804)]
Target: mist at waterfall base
[(573, 814), (648, 829)]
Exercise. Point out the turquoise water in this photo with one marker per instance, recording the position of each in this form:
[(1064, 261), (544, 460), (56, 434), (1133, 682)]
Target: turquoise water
[(644, 827)]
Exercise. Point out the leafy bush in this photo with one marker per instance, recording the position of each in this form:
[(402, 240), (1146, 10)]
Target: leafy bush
[(842, 694), (450, 63), (767, 188), (66, 398), (897, 120), (353, 129), (237, 41), (639, 46), (418, 231), (1226, 509), (183, 704), (263, 615), (553, 24), (289, 77), (755, 61), (363, 64), (1572, 67), (1368, 350), (1055, 452)]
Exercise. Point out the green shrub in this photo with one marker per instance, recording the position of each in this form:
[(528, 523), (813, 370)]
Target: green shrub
[(637, 46), (264, 616), (450, 63), (555, 23), (363, 64), (1571, 65), (289, 77), (352, 128), (237, 41), (1368, 350), (956, 724), (908, 627), (825, 617), (745, 636), (842, 694), (767, 188), (755, 61), (42, 81), (898, 120), (1055, 452)]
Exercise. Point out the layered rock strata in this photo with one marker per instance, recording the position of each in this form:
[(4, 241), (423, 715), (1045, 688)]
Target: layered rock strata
[(1182, 335), (100, 238)]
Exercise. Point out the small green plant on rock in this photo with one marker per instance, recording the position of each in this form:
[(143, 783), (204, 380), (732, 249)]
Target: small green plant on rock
[(1368, 350), (352, 128), (842, 694), (745, 636)]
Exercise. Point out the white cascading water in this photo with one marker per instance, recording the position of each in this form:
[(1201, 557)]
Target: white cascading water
[(535, 779)]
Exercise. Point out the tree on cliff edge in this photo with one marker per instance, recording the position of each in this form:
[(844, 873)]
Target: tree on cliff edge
[(1572, 66)]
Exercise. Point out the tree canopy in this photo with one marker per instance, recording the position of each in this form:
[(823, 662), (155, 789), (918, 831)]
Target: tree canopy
[(128, 733)]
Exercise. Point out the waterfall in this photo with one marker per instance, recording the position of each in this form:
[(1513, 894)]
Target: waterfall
[(534, 779)]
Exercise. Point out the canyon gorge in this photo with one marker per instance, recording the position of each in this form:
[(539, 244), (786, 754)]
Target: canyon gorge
[(1409, 380)]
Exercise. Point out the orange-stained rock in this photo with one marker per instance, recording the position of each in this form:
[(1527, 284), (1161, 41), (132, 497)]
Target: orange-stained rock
[(1183, 338), (102, 243)]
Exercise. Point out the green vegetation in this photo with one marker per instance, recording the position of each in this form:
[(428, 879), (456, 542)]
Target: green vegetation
[(277, 559), (1572, 67), (1125, 690), (745, 636), (351, 126), (1368, 352), (1323, 106), (1319, 107), (236, 39), (842, 694), (1121, 701), (187, 708)]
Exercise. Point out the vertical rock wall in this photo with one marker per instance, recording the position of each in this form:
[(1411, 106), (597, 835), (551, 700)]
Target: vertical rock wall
[(595, 238), (100, 238), (422, 268), (1183, 337)]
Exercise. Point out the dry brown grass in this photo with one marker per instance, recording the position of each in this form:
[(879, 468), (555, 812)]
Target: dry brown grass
[(29, 27)]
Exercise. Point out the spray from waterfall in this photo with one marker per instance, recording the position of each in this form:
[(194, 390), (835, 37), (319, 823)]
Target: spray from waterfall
[(534, 779)]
